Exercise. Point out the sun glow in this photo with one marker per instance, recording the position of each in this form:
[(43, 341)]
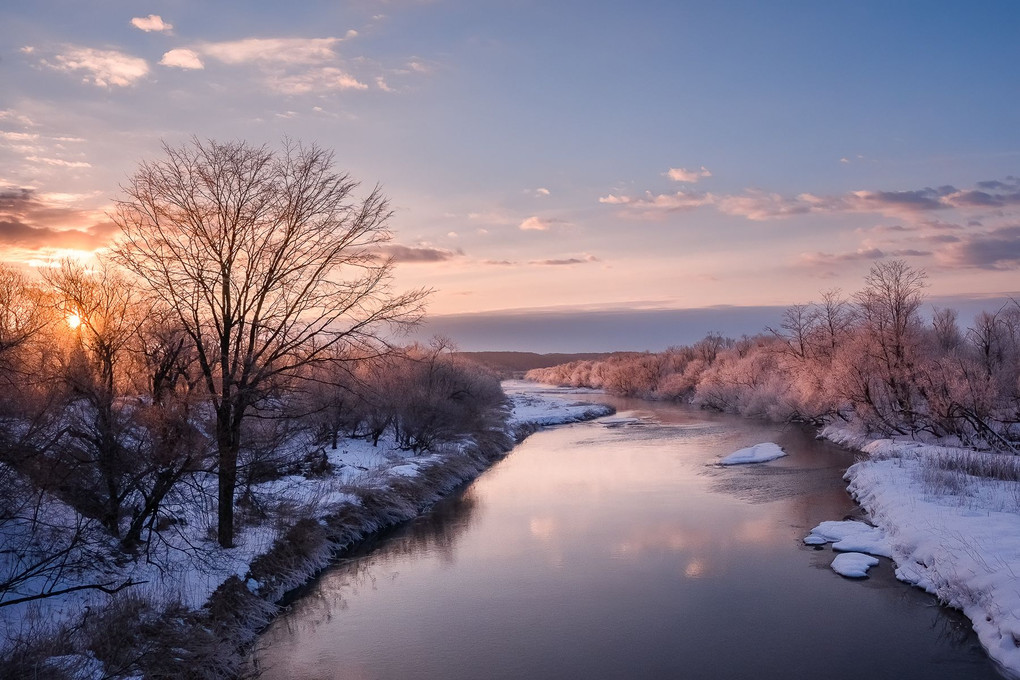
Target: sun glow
[(73, 320)]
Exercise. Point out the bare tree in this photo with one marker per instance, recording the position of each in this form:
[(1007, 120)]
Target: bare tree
[(836, 320), (889, 307), (799, 324), (103, 308), (441, 398), (947, 332), (22, 313), (269, 263)]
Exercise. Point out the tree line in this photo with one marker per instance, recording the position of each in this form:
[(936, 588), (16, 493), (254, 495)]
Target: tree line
[(869, 360), (245, 304)]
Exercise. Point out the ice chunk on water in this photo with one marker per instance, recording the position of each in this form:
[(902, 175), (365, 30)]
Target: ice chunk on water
[(759, 453), (850, 536), (853, 564)]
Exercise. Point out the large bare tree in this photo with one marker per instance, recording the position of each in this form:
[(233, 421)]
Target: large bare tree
[(269, 261)]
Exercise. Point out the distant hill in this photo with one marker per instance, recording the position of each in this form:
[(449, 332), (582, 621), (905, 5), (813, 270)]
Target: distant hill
[(516, 364)]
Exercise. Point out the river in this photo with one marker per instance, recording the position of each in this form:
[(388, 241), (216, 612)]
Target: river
[(623, 552)]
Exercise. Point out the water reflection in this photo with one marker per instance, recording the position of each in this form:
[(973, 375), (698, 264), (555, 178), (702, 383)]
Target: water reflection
[(365, 568), (623, 552)]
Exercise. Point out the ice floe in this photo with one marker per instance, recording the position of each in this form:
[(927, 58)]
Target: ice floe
[(759, 453), (853, 564)]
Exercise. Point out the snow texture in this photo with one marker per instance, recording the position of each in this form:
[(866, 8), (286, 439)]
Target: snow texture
[(853, 564), (620, 421), (850, 536), (192, 566), (541, 405), (759, 453), (953, 534)]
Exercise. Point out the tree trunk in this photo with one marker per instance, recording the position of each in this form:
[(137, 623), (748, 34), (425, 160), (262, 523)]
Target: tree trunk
[(228, 441)]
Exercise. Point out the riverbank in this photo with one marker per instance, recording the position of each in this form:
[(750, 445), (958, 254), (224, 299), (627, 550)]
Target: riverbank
[(202, 605), (951, 518)]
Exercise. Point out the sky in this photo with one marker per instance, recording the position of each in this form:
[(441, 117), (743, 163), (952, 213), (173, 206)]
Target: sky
[(566, 176)]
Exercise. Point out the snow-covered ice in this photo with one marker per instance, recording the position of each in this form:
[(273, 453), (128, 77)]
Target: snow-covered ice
[(542, 405), (759, 453), (850, 536), (853, 564), (619, 421)]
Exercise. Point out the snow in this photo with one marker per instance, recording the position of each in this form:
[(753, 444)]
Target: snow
[(404, 470), (850, 536), (853, 564), (191, 565), (620, 420), (759, 453), (956, 535), (538, 404), (77, 666)]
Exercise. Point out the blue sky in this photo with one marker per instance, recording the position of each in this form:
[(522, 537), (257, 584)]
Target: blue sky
[(570, 157)]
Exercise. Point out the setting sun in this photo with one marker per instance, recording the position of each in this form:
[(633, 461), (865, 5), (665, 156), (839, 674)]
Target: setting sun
[(73, 320)]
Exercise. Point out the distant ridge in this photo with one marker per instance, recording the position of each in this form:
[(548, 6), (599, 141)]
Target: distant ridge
[(516, 364)]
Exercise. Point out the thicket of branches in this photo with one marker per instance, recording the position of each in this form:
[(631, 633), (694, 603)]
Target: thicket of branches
[(869, 360), (246, 309)]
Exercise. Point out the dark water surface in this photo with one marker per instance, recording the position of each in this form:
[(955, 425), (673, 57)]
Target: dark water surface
[(598, 552)]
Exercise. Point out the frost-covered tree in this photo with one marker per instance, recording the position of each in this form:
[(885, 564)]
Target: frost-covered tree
[(890, 331)]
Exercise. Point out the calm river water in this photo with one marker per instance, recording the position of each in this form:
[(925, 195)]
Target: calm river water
[(622, 552)]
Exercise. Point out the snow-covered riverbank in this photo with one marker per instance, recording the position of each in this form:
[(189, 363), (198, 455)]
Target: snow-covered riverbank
[(951, 523), (187, 581)]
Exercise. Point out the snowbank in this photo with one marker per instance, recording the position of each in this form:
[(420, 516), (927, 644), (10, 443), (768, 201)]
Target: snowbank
[(955, 534), (233, 593), (759, 453), (538, 405)]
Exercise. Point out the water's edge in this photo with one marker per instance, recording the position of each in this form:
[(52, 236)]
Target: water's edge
[(240, 609)]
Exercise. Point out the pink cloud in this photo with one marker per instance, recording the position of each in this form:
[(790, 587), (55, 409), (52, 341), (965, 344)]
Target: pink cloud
[(103, 68), (535, 223), (689, 176), (182, 58), (153, 22)]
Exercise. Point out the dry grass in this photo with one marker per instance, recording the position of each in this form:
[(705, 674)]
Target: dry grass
[(998, 466)]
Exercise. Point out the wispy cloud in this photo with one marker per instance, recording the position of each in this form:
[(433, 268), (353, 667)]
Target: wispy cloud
[(759, 205), (291, 66), (9, 115), (103, 68), (567, 261), (492, 217), (997, 249), (34, 221), (651, 206), (277, 51), (58, 162), (419, 254), (829, 259), (153, 22), (8, 136), (321, 79), (688, 176), (535, 223)]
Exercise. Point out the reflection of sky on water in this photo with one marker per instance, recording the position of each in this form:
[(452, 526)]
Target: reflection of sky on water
[(621, 553)]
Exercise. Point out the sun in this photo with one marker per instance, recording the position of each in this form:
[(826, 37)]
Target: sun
[(73, 320)]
